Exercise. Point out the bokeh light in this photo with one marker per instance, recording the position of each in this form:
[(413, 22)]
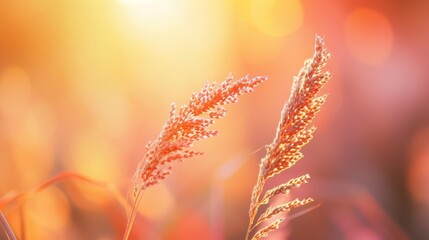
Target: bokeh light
[(50, 206), (15, 91), (277, 17), (418, 174), (84, 85), (137, 3), (369, 35), (164, 200), (91, 155)]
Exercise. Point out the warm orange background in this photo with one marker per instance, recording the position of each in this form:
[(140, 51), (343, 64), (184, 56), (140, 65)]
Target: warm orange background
[(84, 84)]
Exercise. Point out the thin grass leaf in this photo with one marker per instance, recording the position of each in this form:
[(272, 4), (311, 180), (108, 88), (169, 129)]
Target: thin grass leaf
[(21, 198)]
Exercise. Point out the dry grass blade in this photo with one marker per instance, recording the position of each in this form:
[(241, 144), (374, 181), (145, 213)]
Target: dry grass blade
[(293, 132), (21, 198), (184, 126)]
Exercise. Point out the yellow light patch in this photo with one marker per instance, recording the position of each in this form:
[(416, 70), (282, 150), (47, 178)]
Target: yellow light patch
[(277, 17), (157, 202)]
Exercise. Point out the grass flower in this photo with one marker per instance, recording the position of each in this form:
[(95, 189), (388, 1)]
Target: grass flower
[(293, 132), (185, 126)]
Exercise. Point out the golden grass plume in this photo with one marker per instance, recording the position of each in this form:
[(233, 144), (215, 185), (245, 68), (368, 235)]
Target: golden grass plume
[(184, 127), (293, 132)]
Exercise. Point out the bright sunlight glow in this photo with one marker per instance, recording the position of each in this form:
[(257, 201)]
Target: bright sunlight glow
[(135, 3)]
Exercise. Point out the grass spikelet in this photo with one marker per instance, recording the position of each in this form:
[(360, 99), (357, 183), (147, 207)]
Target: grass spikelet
[(293, 132), (264, 231), (284, 188), (185, 126), (272, 211)]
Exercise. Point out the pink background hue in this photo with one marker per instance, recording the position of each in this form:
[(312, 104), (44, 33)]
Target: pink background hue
[(85, 84)]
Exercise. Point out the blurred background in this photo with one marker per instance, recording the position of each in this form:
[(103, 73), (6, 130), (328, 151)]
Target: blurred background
[(84, 85)]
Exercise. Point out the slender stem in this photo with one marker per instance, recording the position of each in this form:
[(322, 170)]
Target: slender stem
[(257, 203), (133, 214), (248, 232), (6, 227), (251, 220), (255, 225)]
